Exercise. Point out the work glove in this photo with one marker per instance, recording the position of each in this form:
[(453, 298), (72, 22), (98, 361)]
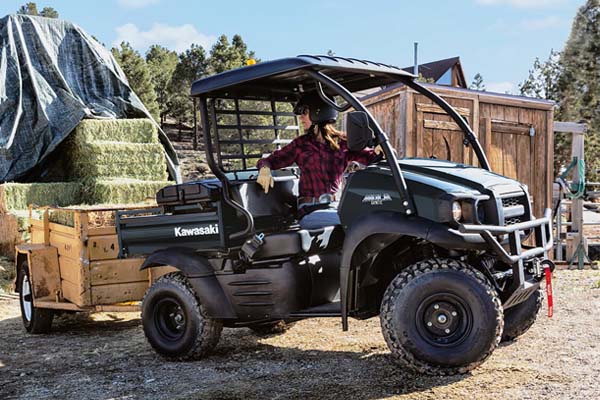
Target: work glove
[(265, 179), (379, 150)]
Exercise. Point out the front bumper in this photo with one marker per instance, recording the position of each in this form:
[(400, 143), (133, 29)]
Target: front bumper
[(517, 254), (543, 238)]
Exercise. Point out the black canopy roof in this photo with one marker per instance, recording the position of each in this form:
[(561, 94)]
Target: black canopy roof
[(285, 78)]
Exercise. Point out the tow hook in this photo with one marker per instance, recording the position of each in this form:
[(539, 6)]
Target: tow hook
[(548, 269)]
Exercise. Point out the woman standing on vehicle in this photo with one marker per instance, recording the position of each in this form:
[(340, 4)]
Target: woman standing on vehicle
[(322, 156)]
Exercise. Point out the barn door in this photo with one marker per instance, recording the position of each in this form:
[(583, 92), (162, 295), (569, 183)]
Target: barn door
[(510, 144), (437, 135)]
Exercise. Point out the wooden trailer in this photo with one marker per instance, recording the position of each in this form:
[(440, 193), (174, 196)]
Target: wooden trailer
[(72, 262), (515, 132)]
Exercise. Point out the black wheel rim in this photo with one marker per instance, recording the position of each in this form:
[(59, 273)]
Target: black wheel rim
[(444, 320), (169, 319)]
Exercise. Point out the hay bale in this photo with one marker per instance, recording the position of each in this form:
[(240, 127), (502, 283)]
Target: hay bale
[(122, 191), (14, 229), (140, 130), (9, 234), (99, 215), (106, 160), (18, 196)]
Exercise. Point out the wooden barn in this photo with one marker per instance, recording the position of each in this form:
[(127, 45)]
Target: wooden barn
[(515, 132)]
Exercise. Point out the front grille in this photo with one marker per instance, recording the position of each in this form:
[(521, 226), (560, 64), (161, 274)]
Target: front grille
[(512, 221), (511, 201), (514, 208)]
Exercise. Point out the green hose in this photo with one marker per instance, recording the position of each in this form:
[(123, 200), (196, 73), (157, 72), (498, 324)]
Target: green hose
[(577, 189)]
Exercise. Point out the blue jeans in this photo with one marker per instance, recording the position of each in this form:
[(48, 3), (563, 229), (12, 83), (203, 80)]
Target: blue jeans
[(319, 218)]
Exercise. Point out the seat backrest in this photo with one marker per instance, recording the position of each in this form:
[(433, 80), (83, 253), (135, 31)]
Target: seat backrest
[(280, 201)]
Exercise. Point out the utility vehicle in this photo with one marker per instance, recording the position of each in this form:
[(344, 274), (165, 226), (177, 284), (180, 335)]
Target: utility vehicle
[(448, 255)]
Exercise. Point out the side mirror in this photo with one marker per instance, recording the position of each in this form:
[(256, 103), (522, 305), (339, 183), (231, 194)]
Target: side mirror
[(360, 134)]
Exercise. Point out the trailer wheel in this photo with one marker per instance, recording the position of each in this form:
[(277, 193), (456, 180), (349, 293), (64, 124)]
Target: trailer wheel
[(35, 320), (518, 319), (272, 328), (174, 321), (441, 317)]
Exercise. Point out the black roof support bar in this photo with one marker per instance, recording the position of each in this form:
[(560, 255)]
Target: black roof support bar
[(382, 138), (210, 159)]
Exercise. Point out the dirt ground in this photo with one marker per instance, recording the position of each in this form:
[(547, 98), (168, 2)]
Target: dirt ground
[(106, 356)]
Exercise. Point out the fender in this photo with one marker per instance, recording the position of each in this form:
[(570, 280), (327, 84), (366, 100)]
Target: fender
[(201, 276), (388, 226)]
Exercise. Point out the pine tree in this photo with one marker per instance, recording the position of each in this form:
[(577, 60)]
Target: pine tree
[(161, 64), (224, 56), (579, 84), (138, 74), (49, 12), (32, 9), (28, 9), (542, 81), (192, 66), (477, 83)]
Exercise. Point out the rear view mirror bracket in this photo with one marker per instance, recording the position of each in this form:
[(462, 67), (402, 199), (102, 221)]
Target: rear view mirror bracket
[(329, 101)]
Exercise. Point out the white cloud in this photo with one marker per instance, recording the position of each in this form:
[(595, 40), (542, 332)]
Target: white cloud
[(501, 87), (137, 3), (521, 3), (542, 23), (178, 38)]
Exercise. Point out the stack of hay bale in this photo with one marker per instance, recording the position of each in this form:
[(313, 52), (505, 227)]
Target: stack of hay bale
[(117, 161), (105, 162)]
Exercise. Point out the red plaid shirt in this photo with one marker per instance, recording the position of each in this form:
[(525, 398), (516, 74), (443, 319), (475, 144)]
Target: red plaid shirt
[(321, 167)]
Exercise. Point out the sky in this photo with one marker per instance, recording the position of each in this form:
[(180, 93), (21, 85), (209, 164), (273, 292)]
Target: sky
[(499, 39)]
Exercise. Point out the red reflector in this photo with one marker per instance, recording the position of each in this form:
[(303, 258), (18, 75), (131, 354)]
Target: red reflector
[(548, 274)]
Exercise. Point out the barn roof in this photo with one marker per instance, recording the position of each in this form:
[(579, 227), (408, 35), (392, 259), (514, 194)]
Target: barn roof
[(436, 69)]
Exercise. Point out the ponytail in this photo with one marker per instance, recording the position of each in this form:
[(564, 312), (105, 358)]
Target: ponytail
[(329, 133)]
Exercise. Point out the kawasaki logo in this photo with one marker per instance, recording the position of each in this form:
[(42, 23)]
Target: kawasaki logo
[(199, 231)]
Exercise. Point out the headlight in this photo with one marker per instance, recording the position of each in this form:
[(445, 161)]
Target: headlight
[(456, 211)]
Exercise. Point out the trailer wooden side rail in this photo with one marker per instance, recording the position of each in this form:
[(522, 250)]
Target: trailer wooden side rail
[(73, 262)]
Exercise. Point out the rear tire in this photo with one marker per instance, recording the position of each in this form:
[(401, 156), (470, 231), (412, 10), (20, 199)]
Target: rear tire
[(441, 317), (35, 319), (175, 323), (518, 319), (272, 328)]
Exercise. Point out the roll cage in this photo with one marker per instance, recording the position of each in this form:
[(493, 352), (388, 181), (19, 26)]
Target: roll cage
[(285, 80)]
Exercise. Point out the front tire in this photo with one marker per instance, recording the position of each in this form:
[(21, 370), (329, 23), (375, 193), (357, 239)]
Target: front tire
[(441, 317), (175, 323), (518, 319), (36, 320)]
